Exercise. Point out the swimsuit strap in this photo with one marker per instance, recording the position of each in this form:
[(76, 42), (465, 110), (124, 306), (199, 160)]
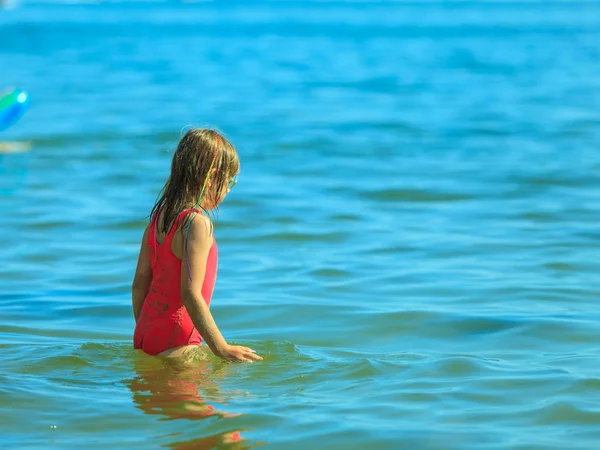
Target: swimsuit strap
[(182, 216), (152, 240), (152, 232)]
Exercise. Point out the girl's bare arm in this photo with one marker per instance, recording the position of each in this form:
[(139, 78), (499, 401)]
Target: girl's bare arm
[(142, 278), (199, 242)]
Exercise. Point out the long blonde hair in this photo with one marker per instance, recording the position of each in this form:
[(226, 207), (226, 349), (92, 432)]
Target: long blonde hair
[(202, 155)]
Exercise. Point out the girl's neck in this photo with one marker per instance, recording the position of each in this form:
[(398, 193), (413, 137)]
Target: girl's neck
[(203, 205)]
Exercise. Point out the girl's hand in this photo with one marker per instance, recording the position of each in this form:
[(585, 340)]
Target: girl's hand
[(239, 353)]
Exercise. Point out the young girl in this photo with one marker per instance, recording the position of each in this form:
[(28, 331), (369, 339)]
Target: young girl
[(177, 264)]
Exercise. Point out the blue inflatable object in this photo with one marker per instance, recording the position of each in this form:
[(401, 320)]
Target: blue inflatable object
[(13, 105)]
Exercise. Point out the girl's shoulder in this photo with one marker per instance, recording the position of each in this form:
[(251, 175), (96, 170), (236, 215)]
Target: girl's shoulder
[(195, 231), (196, 223), (202, 224)]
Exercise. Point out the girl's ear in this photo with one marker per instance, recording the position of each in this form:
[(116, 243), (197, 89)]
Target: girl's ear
[(213, 171), (211, 178)]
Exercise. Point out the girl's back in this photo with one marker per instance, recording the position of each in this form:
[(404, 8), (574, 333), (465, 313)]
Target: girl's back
[(164, 322)]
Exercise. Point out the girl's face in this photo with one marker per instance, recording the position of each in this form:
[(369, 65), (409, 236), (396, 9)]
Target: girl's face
[(231, 182), (216, 197)]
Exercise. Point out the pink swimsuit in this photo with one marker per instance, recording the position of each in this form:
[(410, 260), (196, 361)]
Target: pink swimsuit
[(164, 322)]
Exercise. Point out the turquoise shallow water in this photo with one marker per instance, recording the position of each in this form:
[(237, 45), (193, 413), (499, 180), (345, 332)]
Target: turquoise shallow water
[(412, 244)]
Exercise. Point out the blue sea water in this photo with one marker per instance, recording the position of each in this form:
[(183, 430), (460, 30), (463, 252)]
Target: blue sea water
[(412, 244)]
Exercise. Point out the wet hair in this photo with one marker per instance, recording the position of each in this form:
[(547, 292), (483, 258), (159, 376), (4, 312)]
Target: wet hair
[(202, 155)]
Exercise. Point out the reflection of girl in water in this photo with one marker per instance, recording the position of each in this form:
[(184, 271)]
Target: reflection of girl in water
[(169, 388)]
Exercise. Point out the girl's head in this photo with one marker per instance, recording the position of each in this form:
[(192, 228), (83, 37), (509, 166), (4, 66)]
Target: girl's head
[(203, 171)]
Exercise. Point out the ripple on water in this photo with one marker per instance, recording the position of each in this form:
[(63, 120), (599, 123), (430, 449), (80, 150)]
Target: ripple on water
[(415, 196)]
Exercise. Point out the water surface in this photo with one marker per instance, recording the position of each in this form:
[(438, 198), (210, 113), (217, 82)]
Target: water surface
[(412, 244)]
